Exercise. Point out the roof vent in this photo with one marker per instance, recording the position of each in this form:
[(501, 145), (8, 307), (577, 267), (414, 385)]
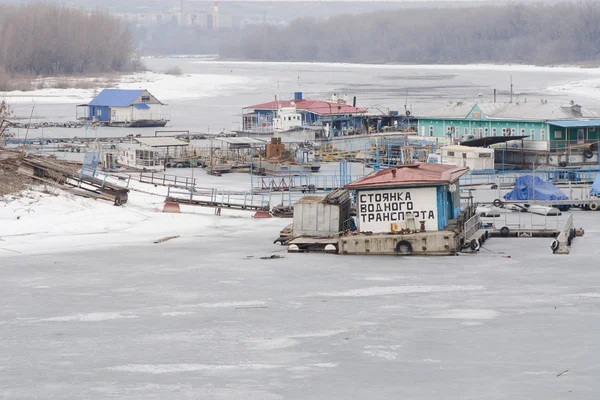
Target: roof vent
[(576, 110)]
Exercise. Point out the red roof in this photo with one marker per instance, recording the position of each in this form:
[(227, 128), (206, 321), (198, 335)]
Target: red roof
[(419, 174), (314, 106)]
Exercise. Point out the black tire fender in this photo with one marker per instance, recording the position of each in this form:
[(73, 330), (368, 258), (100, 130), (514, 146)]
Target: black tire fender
[(587, 153), (497, 203), (593, 206), (554, 245), (504, 231), (404, 247), (475, 245)]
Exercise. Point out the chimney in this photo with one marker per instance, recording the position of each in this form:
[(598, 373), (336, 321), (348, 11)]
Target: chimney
[(393, 172), (354, 102), (494, 95)]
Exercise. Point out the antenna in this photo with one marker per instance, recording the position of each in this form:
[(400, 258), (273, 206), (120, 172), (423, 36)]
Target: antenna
[(406, 101), (298, 80), (511, 89)]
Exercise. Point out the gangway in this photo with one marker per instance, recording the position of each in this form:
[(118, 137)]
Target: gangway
[(220, 198)]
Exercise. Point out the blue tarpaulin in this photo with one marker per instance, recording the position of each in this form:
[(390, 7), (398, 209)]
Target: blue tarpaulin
[(531, 187), (596, 187)]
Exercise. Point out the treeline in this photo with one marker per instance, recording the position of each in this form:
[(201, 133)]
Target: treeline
[(46, 39), (567, 32)]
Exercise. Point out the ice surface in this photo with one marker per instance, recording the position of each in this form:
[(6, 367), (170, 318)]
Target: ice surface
[(93, 309)]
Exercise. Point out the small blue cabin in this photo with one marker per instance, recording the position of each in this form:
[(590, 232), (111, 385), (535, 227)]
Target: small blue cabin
[(123, 107)]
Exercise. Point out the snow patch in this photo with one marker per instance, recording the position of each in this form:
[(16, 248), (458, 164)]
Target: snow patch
[(176, 313), (464, 314), (273, 343), (230, 304), (171, 368), (387, 290), (388, 355), (92, 317)]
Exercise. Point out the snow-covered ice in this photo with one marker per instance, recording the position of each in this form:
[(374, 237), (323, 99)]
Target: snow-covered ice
[(92, 308)]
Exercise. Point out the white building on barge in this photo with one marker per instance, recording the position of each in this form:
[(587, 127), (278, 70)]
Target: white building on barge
[(412, 209)]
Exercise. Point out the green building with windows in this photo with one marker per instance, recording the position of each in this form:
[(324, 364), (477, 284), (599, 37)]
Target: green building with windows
[(552, 127)]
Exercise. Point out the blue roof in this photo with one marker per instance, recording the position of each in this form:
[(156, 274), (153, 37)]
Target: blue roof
[(116, 97), (141, 106), (576, 123)]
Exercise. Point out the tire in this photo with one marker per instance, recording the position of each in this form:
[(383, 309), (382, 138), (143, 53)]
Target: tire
[(404, 247), (573, 233), (487, 235), (562, 164), (475, 245), (587, 153), (482, 239), (118, 200), (593, 206), (554, 245), (569, 241), (497, 203), (504, 231)]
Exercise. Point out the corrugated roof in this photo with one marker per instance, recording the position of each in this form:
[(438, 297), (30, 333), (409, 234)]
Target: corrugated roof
[(242, 140), (419, 174), (576, 123), (116, 97), (535, 111), (141, 106), (316, 106), (160, 141)]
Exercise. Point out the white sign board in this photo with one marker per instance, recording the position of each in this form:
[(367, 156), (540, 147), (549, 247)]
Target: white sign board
[(379, 209)]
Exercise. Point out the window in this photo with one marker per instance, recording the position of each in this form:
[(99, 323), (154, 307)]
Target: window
[(466, 130), (505, 131), (464, 155), (431, 131), (473, 131), (542, 134), (513, 131), (486, 131), (532, 133), (494, 131), (450, 154), (485, 155), (98, 112), (145, 99), (558, 134), (522, 131)]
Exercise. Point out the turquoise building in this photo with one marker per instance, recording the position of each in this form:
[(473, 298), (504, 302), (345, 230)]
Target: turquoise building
[(555, 127)]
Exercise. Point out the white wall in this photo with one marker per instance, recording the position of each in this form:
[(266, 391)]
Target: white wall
[(378, 209), (120, 114)]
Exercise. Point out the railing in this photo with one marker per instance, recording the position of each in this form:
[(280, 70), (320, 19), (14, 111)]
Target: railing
[(167, 180), (301, 183), (233, 199), (509, 177), (472, 226)]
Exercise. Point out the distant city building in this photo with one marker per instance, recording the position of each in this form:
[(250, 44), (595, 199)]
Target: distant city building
[(209, 19)]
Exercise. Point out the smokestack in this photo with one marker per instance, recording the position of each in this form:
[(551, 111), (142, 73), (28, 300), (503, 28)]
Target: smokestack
[(354, 101)]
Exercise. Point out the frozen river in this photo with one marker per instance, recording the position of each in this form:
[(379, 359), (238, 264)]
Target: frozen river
[(182, 320), (211, 94), (93, 309)]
